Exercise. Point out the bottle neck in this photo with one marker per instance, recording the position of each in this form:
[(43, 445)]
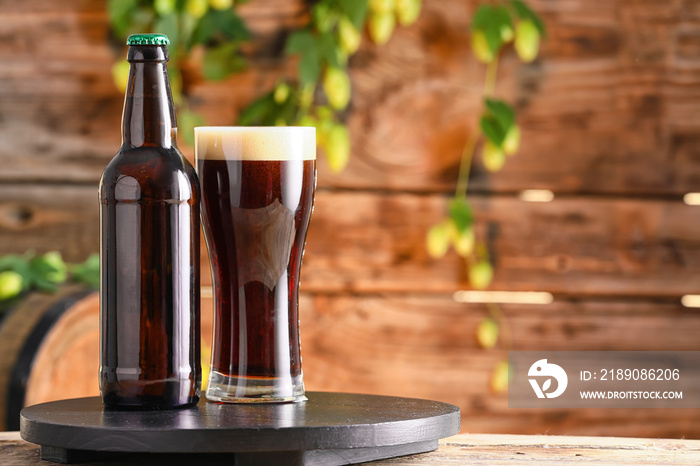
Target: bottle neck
[(149, 116)]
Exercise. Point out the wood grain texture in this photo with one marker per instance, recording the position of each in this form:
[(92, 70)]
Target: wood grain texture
[(66, 364), (46, 217), (610, 114), (473, 449), (374, 242), (610, 106)]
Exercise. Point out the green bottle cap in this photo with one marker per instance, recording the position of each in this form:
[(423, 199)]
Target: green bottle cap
[(148, 39)]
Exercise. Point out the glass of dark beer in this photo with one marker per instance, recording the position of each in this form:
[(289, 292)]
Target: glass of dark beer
[(257, 196)]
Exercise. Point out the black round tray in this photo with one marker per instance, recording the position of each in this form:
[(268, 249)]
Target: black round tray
[(328, 429)]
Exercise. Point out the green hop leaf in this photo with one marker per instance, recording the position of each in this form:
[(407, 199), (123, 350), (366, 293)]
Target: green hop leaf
[(512, 141), (502, 112), (437, 240), (527, 40), (461, 214), (381, 26), (487, 333), (480, 275), (11, 284), (219, 62), (493, 156), (337, 145), (324, 17), (500, 376), (381, 6), (336, 85), (355, 10), (407, 11), (349, 37), (492, 22), (88, 272), (480, 47), (120, 75)]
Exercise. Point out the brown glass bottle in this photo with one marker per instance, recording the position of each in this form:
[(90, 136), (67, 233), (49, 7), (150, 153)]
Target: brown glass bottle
[(149, 267)]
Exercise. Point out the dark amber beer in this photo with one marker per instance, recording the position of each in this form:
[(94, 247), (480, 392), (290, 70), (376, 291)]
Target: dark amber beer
[(149, 262), (257, 197)]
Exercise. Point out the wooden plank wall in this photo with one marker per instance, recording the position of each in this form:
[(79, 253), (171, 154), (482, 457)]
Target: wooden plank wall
[(611, 124)]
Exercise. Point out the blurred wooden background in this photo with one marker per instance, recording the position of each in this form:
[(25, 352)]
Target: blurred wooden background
[(611, 124)]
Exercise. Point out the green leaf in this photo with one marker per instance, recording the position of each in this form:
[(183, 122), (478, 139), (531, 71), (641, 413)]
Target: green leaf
[(461, 213), (304, 43), (44, 285), (492, 129), (220, 26), (526, 13), (47, 268), (327, 49), (168, 25), (355, 10), (309, 67), (299, 42), (11, 261), (88, 272), (140, 20), (221, 61), (119, 15), (492, 21), (255, 113), (504, 113), (324, 17)]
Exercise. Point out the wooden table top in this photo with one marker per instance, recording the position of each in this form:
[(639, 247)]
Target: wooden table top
[(461, 449)]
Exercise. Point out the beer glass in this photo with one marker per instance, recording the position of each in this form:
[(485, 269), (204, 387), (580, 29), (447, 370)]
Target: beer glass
[(257, 196)]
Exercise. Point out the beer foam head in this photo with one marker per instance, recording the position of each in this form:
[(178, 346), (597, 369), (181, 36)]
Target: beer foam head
[(255, 143)]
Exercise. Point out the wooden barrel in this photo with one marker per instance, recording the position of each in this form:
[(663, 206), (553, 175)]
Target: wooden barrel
[(49, 350)]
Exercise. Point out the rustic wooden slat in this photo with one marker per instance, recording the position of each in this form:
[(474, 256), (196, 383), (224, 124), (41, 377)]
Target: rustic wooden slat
[(423, 346), (611, 107), (374, 242), (49, 217)]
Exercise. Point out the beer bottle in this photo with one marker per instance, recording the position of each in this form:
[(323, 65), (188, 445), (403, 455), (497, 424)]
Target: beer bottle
[(149, 258)]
